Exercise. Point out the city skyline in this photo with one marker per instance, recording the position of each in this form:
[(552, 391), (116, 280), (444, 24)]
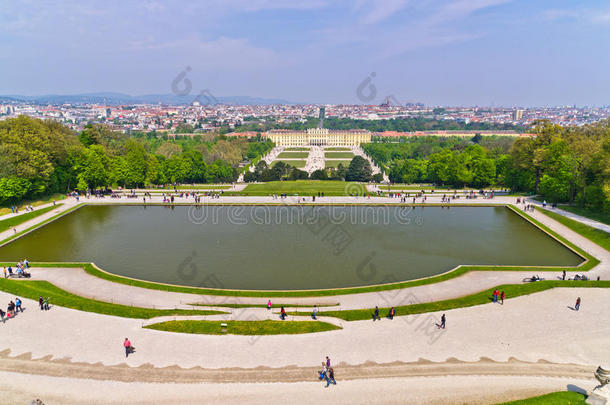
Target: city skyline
[(461, 53)]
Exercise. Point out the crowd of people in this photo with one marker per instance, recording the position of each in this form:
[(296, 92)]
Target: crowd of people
[(11, 310), (20, 270), (327, 373)]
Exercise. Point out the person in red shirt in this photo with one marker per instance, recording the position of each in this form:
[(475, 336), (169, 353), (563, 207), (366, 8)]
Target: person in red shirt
[(502, 296), (128, 347)]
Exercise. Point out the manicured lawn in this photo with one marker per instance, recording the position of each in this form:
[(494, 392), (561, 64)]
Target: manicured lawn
[(201, 187), (554, 398), (253, 327), (483, 297), (293, 155), (300, 187), (337, 148), (595, 235), (335, 163), (26, 216), (587, 212), (296, 149), (33, 203), (274, 306), (296, 163), (338, 155), (33, 289)]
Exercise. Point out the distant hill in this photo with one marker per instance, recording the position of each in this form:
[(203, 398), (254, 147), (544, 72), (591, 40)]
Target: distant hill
[(119, 98)]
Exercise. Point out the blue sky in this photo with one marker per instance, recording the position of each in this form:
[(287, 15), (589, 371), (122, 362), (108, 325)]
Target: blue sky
[(449, 52)]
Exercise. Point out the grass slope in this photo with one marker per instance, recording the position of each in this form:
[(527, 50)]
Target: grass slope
[(33, 203), (266, 327), (587, 212), (19, 219), (296, 149), (34, 289), (595, 235), (554, 398)]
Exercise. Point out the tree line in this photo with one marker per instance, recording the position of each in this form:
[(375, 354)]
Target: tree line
[(43, 157), (562, 164)]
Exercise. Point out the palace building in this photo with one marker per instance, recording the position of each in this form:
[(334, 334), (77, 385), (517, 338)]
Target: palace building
[(319, 137)]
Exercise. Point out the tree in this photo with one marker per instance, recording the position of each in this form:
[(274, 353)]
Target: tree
[(359, 170)]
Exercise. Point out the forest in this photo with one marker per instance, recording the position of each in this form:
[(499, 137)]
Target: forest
[(44, 157), (561, 164)]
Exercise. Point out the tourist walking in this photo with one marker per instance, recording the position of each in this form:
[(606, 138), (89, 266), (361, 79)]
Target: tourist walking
[(443, 321), (5, 275), (128, 347), (563, 277), (502, 296), (2, 313), (41, 303), (283, 313), (269, 304), (577, 306), (45, 304), (330, 377), (18, 305), (327, 362), (392, 313), (315, 312), (376, 314)]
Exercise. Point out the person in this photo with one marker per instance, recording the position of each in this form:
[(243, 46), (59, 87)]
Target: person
[(18, 305), (41, 303), (269, 304), (5, 274), (577, 306), (315, 312), (443, 321), (330, 377), (502, 296), (10, 271), (2, 313), (11, 309), (322, 372), (283, 313), (327, 362), (392, 313), (45, 304), (564, 275), (128, 347), (376, 314)]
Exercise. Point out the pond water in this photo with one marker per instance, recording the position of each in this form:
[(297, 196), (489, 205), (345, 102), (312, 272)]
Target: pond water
[(280, 247)]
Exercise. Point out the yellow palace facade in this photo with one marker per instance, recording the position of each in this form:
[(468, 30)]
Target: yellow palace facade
[(319, 137)]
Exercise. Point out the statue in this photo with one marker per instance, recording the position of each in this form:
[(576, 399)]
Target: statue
[(601, 394)]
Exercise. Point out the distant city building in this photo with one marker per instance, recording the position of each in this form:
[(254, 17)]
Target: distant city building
[(319, 137), (517, 115)]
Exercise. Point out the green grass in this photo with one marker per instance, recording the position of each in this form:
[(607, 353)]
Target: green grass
[(296, 163), (33, 203), (302, 187), (554, 398), (19, 219), (293, 155), (335, 163), (266, 327), (337, 148), (34, 289), (595, 235), (338, 155), (197, 187), (480, 298), (275, 306), (296, 149), (588, 213)]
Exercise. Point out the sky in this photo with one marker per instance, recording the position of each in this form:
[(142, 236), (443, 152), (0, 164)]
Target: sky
[(439, 52)]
